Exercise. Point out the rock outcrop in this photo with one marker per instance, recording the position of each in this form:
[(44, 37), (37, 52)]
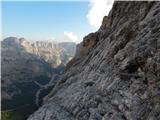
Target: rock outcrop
[(116, 75), (106, 23), (83, 48)]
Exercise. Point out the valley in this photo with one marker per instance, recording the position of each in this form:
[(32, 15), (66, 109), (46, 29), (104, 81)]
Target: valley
[(27, 69)]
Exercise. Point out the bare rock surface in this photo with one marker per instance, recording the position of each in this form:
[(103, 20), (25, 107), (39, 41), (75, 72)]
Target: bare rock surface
[(116, 75)]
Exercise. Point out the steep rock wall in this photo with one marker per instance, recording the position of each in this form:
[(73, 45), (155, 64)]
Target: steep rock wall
[(118, 78)]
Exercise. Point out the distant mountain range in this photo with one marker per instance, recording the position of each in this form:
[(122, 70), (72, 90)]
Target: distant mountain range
[(29, 66)]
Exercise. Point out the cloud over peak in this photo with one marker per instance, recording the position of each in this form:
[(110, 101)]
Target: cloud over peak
[(69, 36)]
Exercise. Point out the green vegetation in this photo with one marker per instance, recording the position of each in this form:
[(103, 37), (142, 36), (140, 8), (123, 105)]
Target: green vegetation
[(21, 113), (10, 115)]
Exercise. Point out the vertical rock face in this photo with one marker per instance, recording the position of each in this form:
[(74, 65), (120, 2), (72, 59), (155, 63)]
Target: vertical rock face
[(115, 75)]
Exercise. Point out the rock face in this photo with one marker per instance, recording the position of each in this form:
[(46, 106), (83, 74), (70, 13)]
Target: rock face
[(28, 66), (115, 75)]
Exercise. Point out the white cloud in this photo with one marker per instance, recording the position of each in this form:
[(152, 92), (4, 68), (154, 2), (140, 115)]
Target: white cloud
[(70, 37), (98, 9)]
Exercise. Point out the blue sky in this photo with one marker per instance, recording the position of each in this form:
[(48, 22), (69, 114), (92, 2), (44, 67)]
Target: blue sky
[(45, 20), (70, 20)]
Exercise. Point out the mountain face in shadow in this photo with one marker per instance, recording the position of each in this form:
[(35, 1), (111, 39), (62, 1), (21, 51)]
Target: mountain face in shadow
[(28, 68), (115, 74)]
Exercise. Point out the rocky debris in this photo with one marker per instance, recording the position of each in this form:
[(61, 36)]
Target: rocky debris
[(119, 77)]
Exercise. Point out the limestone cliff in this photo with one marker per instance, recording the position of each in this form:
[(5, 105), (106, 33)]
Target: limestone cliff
[(115, 74)]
